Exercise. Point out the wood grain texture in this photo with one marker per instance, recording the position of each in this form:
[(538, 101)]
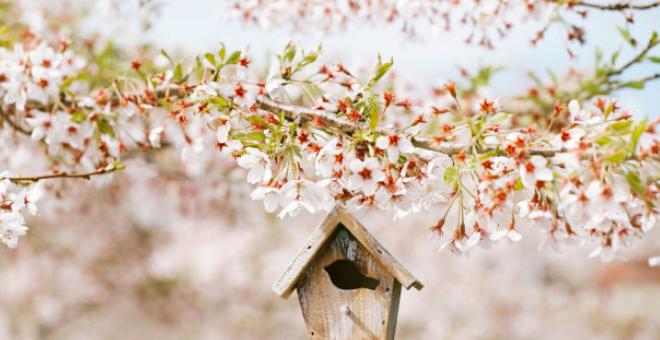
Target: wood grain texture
[(287, 281), (333, 313)]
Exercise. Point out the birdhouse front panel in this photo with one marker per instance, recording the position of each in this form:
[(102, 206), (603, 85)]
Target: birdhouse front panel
[(345, 293)]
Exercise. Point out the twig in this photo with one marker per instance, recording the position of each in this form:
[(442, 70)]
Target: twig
[(13, 124), (619, 6), (83, 175), (652, 43), (618, 85)]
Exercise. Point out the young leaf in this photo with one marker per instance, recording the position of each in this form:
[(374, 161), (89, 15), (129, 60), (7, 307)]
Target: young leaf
[(78, 117), (210, 58), (222, 53), (105, 128), (233, 58), (374, 114), (451, 173), (636, 133), (635, 182), (626, 35), (167, 56), (381, 69)]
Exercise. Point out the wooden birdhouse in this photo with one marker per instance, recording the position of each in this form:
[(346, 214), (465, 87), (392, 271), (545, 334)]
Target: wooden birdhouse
[(347, 283)]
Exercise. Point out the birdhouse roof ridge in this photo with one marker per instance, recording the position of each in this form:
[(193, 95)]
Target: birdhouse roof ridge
[(314, 246)]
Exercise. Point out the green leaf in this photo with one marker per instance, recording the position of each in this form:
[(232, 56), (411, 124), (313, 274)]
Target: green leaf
[(604, 140), (78, 117), (635, 182), (374, 114), (210, 58), (451, 173), (233, 58), (488, 154), (654, 59), (616, 158), (621, 125), (162, 51), (499, 118), (219, 102), (222, 53), (636, 133), (615, 57), (626, 35), (288, 54), (654, 38), (117, 164), (634, 85), (178, 72), (199, 68), (254, 136), (257, 120), (609, 109), (105, 128), (309, 58), (519, 185), (381, 69)]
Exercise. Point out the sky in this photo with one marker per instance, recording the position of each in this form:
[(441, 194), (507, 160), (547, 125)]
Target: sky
[(197, 26)]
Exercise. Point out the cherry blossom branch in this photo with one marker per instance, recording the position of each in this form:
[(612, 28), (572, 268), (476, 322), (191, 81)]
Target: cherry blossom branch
[(82, 175), (618, 85), (326, 119), (620, 6), (637, 58)]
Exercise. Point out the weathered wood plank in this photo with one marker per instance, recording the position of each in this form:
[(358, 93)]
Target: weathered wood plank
[(288, 279)]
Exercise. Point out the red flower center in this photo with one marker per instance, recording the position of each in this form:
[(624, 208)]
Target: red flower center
[(240, 91), (529, 167), (365, 173)]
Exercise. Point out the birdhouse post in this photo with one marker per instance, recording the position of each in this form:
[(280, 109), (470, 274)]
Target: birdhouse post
[(347, 283)]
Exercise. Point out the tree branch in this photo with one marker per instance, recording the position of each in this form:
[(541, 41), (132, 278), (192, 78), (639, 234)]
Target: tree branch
[(82, 175), (312, 115), (619, 6)]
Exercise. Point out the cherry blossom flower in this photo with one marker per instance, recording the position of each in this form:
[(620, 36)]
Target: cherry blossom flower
[(365, 175), (511, 233), (568, 139), (12, 226), (535, 170), (258, 164), (271, 197), (27, 198), (330, 158), (222, 133), (394, 145)]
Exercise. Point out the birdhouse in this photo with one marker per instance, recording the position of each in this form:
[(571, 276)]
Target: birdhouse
[(347, 283)]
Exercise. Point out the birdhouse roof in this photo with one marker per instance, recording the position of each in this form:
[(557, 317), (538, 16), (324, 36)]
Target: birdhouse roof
[(314, 246)]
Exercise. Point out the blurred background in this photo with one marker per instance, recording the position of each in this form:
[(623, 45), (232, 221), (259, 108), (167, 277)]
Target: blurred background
[(158, 253)]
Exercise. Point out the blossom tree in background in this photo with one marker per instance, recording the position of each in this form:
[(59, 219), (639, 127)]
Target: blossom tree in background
[(486, 21)]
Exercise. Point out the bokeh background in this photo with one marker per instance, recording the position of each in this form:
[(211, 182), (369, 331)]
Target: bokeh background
[(159, 253)]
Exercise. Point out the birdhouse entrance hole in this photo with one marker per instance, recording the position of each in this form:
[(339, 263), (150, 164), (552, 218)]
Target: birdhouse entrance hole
[(345, 275)]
